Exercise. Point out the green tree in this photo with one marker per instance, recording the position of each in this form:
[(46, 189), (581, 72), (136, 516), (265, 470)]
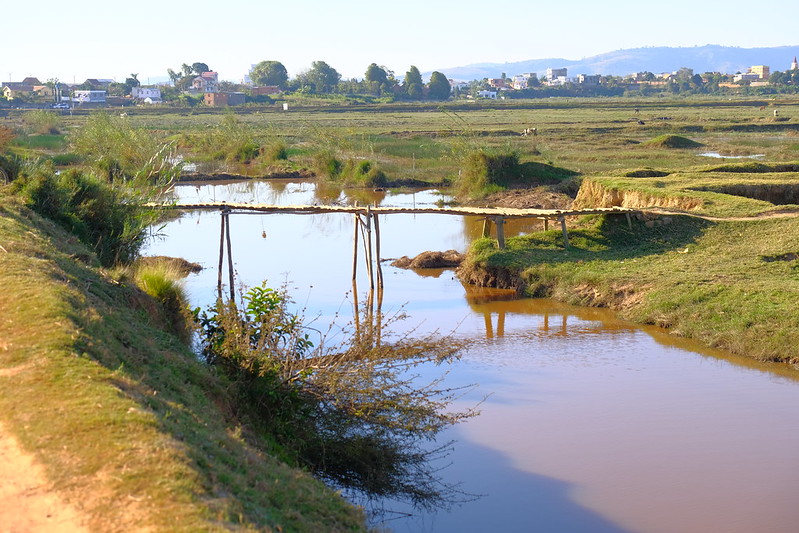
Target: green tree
[(199, 68), (439, 87), (269, 73), (322, 77), (413, 76), (376, 74), (131, 82)]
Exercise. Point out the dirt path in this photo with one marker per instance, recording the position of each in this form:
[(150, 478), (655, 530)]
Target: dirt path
[(27, 502)]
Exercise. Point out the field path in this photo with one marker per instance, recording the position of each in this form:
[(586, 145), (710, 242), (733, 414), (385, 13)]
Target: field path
[(27, 502)]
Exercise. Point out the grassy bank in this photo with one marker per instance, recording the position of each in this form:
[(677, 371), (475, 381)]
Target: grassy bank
[(131, 429), (732, 285)]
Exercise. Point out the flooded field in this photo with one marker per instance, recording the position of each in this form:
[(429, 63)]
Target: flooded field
[(589, 423)]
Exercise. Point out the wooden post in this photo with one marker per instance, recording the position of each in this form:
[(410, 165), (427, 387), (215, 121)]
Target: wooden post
[(486, 227), (230, 259), (500, 222), (221, 257), (377, 253), (546, 224), (563, 229), (629, 220), (355, 247)]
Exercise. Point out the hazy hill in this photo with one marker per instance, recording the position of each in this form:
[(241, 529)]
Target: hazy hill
[(708, 58)]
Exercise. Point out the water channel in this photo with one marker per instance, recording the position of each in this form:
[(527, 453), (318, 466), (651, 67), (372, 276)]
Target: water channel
[(592, 424)]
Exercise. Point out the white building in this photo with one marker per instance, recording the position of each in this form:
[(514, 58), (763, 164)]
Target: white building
[(143, 93), (89, 97), (521, 81)]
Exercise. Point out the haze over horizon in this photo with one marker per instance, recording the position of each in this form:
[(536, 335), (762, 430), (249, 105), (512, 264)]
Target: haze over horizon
[(72, 45)]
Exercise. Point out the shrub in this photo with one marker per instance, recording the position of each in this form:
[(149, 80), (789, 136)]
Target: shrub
[(327, 165), (348, 412), (111, 220), (672, 141), (276, 151)]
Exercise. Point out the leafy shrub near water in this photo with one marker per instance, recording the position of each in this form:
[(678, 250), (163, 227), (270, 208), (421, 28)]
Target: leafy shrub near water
[(110, 219), (348, 412)]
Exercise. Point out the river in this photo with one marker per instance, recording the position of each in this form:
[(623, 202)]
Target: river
[(591, 424)]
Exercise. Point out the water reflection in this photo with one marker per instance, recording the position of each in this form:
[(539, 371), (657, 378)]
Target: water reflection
[(592, 423)]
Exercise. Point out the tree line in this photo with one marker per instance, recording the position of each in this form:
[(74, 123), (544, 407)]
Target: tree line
[(378, 80)]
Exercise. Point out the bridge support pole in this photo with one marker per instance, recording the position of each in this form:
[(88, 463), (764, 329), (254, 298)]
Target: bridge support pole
[(563, 229), (500, 223), (546, 224)]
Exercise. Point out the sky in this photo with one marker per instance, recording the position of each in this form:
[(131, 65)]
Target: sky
[(50, 39)]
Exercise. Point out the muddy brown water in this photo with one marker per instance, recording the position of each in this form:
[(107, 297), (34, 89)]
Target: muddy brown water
[(591, 424)]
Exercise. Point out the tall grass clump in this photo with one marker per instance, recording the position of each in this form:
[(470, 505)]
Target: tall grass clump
[(43, 122), (162, 279), (483, 172), (112, 220), (121, 152)]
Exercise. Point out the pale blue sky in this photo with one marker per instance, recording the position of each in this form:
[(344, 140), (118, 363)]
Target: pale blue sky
[(51, 39)]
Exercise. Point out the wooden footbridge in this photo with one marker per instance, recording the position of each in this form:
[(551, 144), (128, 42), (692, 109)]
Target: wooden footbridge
[(367, 223)]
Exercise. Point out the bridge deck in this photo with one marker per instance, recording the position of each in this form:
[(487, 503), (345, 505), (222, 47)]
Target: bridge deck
[(491, 212)]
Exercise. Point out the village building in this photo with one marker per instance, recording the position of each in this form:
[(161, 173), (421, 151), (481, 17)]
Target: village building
[(84, 96), (522, 81), (266, 90), (762, 71), (207, 82), (148, 95), (224, 99)]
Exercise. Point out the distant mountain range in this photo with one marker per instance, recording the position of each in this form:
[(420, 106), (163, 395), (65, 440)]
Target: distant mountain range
[(708, 58)]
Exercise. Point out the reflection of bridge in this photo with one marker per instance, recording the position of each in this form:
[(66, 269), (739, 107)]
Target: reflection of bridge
[(370, 225)]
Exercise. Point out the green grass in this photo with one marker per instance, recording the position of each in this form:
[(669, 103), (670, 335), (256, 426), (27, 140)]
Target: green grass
[(130, 427), (44, 142)]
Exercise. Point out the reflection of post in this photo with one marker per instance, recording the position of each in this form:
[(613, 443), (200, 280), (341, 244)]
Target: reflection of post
[(501, 324), (368, 248), (377, 252), (355, 247), (379, 315), (221, 257), (356, 311), (230, 258), (489, 326)]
